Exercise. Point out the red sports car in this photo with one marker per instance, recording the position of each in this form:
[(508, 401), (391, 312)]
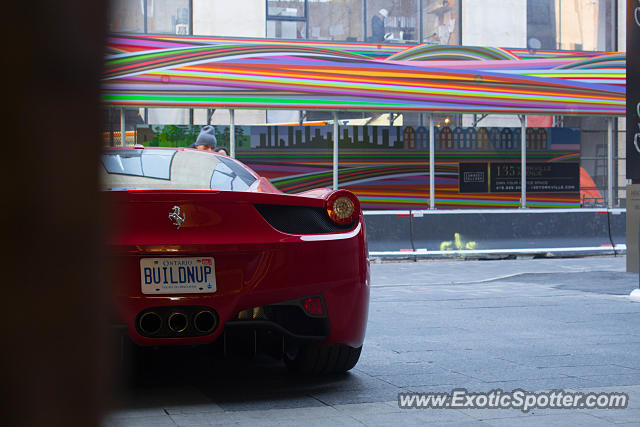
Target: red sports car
[(208, 251)]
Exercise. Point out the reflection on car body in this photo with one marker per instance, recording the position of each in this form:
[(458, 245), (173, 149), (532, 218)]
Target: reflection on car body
[(207, 250)]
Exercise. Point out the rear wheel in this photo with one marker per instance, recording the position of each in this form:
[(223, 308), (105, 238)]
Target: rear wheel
[(313, 359)]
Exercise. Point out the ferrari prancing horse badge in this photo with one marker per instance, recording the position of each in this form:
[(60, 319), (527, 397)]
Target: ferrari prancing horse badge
[(176, 218)]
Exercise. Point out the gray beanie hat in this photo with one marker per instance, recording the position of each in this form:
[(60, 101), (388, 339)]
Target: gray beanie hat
[(207, 137)]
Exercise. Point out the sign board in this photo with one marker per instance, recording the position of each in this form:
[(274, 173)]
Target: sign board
[(504, 177)]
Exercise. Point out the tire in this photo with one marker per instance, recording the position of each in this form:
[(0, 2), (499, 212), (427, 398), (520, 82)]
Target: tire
[(313, 359)]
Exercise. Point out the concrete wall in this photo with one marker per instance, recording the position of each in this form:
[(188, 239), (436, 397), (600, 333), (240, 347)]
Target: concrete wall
[(221, 117), (174, 116), (240, 18), (493, 120), (494, 23), (488, 232), (622, 25)]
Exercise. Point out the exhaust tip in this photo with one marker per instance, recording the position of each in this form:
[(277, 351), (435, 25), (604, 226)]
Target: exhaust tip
[(178, 322), (204, 321), (150, 323)]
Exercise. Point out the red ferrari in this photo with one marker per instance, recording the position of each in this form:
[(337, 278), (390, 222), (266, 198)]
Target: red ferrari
[(207, 250)]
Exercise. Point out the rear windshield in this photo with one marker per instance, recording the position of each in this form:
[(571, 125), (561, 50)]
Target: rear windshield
[(152, 164), (228, 175), (169, 169)]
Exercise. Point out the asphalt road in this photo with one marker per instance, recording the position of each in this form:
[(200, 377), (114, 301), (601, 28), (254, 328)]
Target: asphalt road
[(536, 325)]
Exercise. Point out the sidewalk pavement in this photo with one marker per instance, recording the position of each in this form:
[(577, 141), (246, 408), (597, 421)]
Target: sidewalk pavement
[(537, 325)]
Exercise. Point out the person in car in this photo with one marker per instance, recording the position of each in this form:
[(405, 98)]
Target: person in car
[(222, 150), (206, 140)]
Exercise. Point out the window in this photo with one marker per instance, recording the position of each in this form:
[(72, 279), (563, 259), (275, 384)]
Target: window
[(287, 19), (151, 168), (440, 22), (126, 16), (286, 8), (149, 164), (150, 16), (336, 20), (168, 16), (587, 25), (286, 29), (392, 21)]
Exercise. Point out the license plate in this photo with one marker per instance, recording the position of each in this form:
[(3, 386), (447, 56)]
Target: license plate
[(177, 275)]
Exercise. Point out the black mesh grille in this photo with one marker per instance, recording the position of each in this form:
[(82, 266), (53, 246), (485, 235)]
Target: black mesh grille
[(289, 316), (300, 219)]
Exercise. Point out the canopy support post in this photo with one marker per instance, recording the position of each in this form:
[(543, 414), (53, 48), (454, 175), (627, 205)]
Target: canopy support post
[(477, 120), (610, 163), (232, 133), (123, 134), (523, 160), (335, 150), (432, 166)]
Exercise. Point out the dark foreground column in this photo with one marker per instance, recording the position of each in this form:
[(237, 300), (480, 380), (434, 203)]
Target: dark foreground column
[(53, 331)]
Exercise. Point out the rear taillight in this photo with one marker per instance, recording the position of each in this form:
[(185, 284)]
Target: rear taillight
[(343, 207)]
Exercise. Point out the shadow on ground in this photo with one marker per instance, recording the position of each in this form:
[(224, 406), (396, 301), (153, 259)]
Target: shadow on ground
[(599, 282), (233, 384)]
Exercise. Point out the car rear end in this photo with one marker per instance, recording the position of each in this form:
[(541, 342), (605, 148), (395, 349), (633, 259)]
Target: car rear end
[(200, 265)]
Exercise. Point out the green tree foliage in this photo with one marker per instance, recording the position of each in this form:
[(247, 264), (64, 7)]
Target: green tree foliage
[(185, 135)]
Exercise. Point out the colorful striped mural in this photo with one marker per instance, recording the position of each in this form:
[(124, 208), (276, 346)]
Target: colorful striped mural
[(388, 167), (177, 71)]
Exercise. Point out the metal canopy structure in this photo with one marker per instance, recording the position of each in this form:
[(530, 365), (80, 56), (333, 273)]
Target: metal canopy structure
[(144, 70), (167, 71)]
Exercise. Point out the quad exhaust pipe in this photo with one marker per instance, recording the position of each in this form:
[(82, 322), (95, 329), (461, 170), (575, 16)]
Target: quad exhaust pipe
[(150, 323), (177, 321), (204, 321)]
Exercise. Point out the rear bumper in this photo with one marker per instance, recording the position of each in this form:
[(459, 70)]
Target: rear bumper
[(334, 266)]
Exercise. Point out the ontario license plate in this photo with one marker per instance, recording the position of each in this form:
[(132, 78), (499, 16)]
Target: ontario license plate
[(177, 275)]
